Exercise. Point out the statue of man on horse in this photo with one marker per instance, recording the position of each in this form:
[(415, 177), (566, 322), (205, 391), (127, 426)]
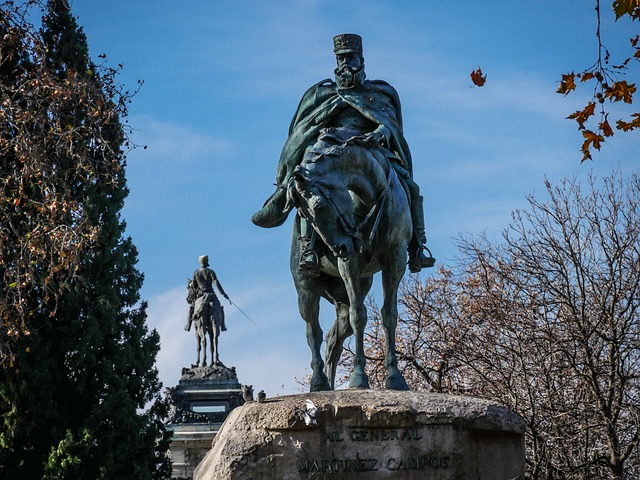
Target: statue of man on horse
[(205, 310), (347, 168), (368, 113)]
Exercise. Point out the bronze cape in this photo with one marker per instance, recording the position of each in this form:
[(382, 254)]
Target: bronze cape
[(376, 100)]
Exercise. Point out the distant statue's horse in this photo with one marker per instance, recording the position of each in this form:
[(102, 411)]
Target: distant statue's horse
[(207, 315), (358, 207)]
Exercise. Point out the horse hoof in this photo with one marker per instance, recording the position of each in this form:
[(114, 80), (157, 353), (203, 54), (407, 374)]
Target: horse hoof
[(320, 383), (324, 387), (359, 381), (320, 386), (396, 382)]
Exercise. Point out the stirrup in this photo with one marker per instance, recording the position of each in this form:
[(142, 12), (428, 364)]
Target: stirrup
[(310, 263), (418, 260)]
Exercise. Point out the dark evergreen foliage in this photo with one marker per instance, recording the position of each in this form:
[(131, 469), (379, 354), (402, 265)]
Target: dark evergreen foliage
[(80, 396)]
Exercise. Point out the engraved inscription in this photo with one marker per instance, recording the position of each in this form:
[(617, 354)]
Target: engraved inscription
[(357, 436), (335, 436), (335, 465), (378, 435), (419, 463)]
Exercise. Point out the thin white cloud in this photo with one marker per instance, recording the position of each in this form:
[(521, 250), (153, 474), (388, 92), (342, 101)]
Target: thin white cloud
[(272, 365), (172, 142), (167, 314)]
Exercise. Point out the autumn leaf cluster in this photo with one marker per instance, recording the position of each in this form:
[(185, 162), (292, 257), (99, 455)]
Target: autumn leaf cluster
[(608, 85), (80, 395), (60, 136)]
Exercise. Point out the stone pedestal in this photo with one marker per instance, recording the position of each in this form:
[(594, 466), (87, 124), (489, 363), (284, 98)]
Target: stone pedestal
[(202, 400), (368, 434)]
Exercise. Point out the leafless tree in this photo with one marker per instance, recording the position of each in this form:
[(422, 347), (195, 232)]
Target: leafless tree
[(547, 323)]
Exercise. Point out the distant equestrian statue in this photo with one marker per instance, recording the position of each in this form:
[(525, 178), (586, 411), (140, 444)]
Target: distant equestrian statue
[(347, 168), (205, 311)]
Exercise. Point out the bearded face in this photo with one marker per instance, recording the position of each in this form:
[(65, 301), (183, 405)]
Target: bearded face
[(350, 71)]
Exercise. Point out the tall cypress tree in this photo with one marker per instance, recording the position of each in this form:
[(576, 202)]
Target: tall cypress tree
[(73, 397)]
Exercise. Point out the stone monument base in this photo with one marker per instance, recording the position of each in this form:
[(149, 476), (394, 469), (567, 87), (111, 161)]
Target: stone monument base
[(201, 402), (368, 434)]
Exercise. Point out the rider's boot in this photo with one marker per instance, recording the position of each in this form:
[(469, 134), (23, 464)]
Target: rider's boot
[(274, 212), (309, 261), (417, 259)]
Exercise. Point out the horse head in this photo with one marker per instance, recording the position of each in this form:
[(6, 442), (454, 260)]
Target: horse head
[(190, 291), (326, 203)]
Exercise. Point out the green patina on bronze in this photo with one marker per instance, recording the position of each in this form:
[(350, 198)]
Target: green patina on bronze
[(347, 168)]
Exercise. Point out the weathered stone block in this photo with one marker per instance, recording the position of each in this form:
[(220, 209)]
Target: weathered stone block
[(368, 434)]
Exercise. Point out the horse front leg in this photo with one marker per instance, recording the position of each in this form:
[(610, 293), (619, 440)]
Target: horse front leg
[(215, 332), (203, 339), (198, 347), (350, 274), (358, 319), (389, 312), (309, 306)]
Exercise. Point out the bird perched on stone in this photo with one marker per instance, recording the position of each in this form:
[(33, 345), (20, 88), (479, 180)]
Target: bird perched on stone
[(261, 396), (309, 413), (247, 393)]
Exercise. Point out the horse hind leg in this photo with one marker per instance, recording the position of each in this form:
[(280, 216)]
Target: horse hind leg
[(336, 336)]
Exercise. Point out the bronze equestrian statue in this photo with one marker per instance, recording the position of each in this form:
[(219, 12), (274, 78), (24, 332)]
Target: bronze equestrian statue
[(347, 168), (205, 311)]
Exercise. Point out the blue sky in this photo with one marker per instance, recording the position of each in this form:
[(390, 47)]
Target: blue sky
[(221, 82)]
